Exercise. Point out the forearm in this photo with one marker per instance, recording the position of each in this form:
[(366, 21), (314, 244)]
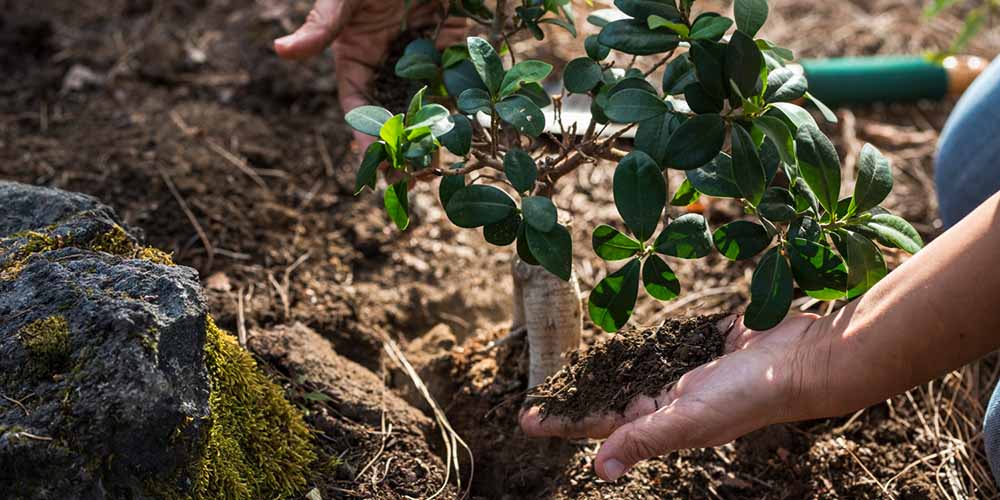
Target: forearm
[(935, 313)]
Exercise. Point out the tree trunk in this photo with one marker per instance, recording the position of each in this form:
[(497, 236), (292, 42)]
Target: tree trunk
[(549, 308)]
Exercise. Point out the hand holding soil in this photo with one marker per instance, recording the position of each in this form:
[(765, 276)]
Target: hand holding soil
[(360, 33), (753, 385)]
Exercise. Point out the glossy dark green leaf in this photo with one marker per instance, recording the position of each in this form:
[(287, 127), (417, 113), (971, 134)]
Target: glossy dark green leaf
[(611, 244), (459, 139), (432, 116), (865, 263), (523, 114), (657, 22), (652, 135), (473, 101), (750, 15), (523, 251), (741, 239), (696, 142), (743, 64), (536, 93), (631, 82), (520, 169), (642, 9), (805, 199), (632, 36), (450, 184), (874, 181), (581, 75), (715, 178), (539, 212), (368, 171), (397, 204), (748, 170), (461, 77), (416, 67), (686, 237), (487, 63), (613, 299), (794, 115), (818, 270), (502, 233), (825, 110), (771, 292), (659, 280), (777, 205), (819, 165), (368, 119), (594, 49), (785, 84), (894, 231), (700, 101), (685, 195), (478, 205), (805, 228), (678, 75), (710, 27), (708, 58), (777, 132), (634, 105), (529, 71), (640, 193), (425, 47), (454, 55), (553, 249)]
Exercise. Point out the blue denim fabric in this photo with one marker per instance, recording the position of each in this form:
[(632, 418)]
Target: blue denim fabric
[(967, 174)]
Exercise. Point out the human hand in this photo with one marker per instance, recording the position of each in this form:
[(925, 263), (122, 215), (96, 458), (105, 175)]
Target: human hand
[(757, 383), (360, 32)]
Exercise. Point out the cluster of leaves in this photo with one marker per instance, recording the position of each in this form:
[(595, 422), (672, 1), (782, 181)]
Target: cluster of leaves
[(738, 133), (974, 21)]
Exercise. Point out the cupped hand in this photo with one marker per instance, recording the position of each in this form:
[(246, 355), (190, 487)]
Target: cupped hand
[(360, 33), (755, 384)]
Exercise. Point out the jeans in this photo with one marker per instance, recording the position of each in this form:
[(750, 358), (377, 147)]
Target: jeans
[(967, 174)]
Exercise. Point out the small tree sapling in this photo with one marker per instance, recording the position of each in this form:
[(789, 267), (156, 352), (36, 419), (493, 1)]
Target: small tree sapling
[(724, 112)]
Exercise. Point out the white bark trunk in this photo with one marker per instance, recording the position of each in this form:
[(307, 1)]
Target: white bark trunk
[(550, 310)]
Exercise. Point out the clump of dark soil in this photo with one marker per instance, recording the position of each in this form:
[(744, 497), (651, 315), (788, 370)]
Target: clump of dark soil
[(633, 363), (390, 90)]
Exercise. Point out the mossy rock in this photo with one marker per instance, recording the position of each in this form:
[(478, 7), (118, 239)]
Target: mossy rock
[(125, 386)]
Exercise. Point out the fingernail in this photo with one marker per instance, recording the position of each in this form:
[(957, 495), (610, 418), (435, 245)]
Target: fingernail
[(614, 469)]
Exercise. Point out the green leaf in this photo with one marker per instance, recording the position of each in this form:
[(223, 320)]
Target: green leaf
[(431, 116), (777, 132), (894, 231), (685, 195), (805, 228), (368, 171), (581, 75), (771, 291), (450, 184), (708, 27), (865, 263), (750, 15), (454, 55), (827, 113), (743, 64), (874, 181), (805, 199), (747, 168), (459, 139), (640, 193), (461, 77), (539, 212), (701, 101), (780, 52), (777, 205), (368, 119), (652, 135), (715, 178), (819, 165), (611, 244), (487, 63), (613, 299), (594, 49), (785, 84), (502, 233), (678, 75), (473, 101), (642, 9), (392, 133), (634, 37), (741, 239), (707, 58), (423, 46), (397, 204), (478, 205), (656, 22), (795, 116), (686, 237), (524, 72), (634, 105), (523, 251), (523, 114), (819, 271), (631, 82), (416, 104), (553, 249), (520, 169), (696, 142), (536, 93), (416, 67), (660, 281)]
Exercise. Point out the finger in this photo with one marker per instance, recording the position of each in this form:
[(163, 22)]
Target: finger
[(534, 424), (325, 21), (740, 337)]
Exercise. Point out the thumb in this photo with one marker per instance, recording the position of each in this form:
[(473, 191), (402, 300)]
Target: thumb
[(325, 21), (659, 433)]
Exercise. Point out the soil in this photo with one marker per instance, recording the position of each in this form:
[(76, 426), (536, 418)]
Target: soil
[(638, 362), (179, 115)]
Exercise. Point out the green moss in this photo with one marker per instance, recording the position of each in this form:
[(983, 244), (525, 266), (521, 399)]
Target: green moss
[(117, 242), (47, 343), (258, 445)]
